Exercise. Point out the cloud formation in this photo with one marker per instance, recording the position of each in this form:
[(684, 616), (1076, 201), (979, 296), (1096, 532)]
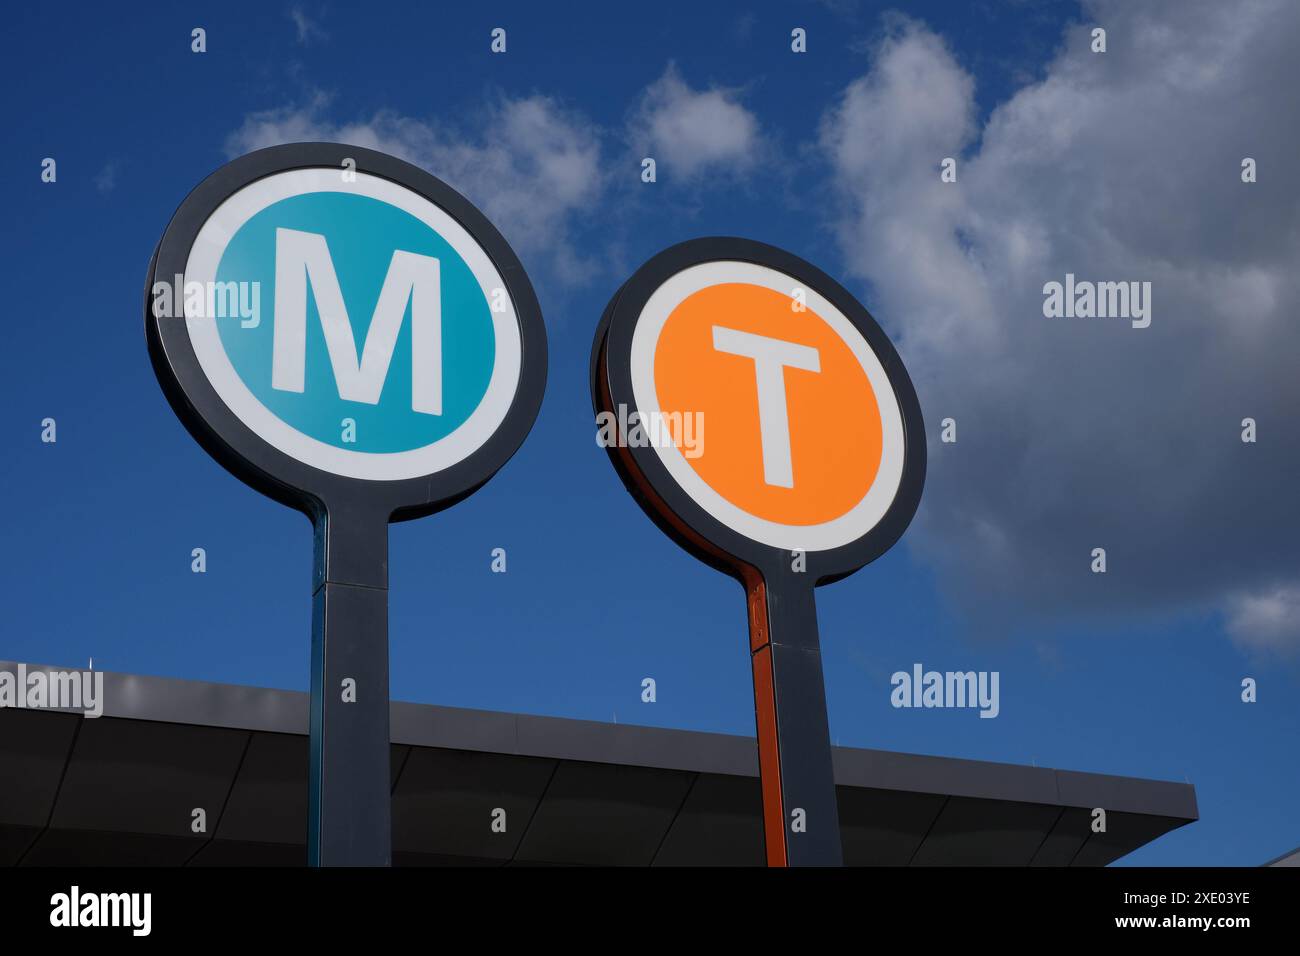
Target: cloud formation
[(531, 166), (539, 171), (106, 178), (308, 30), (1073, 433), (692, 131), (1265, 620)]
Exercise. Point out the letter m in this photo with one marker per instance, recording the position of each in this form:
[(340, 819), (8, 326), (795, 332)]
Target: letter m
[(303, 256)]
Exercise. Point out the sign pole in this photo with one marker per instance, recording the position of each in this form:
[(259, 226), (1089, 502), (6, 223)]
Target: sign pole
[(349, 779), (800, 815)]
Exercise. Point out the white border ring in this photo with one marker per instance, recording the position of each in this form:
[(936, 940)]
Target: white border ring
[(848, 527), (472, 434)]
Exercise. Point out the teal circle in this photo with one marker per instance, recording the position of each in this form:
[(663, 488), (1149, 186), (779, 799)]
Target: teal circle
[(362, 233)]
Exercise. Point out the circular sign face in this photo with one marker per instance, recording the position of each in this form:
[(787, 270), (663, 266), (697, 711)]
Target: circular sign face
[(757, 410), (331, 322)]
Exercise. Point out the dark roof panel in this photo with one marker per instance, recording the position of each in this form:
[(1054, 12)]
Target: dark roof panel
[(123, 788)]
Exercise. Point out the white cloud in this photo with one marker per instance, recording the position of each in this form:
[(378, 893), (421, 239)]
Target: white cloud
[(1268, 620), (308, 29), (886, 138), (106, 178), (533, 168), (538, 170), (1075, 434), (692, 131)]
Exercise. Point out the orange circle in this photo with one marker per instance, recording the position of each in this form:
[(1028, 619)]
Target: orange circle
[(834, 424)]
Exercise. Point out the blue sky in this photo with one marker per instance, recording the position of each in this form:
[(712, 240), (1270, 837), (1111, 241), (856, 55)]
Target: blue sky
[(1069, 437)]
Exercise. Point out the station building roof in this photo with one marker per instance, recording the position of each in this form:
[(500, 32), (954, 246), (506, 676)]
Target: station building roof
[(121, 790)]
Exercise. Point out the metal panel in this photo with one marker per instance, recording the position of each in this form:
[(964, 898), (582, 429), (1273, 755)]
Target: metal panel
[(142, 777), (604, 814), (428, 725), (985, 833), (949, 776), (268, 803), (1125, 832), (34, 748), (1061, 845), (119, 848), (444, 802), (885, 827), (1129, 794), (720, 824), (14, 842)]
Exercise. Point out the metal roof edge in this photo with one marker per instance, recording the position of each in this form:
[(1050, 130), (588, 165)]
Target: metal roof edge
[(269, 710)]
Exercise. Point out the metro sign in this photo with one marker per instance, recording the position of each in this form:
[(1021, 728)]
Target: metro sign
[(386, 313), (805, 434), (811, 466), (402, 364)]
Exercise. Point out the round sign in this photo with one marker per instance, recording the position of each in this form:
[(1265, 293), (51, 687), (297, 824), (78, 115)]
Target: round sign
[(334, 324), (757, 411)]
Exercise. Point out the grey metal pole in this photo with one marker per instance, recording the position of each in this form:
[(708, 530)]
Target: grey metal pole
[(349, 808)]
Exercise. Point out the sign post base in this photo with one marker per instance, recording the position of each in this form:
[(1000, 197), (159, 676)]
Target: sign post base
[(801, 825)]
